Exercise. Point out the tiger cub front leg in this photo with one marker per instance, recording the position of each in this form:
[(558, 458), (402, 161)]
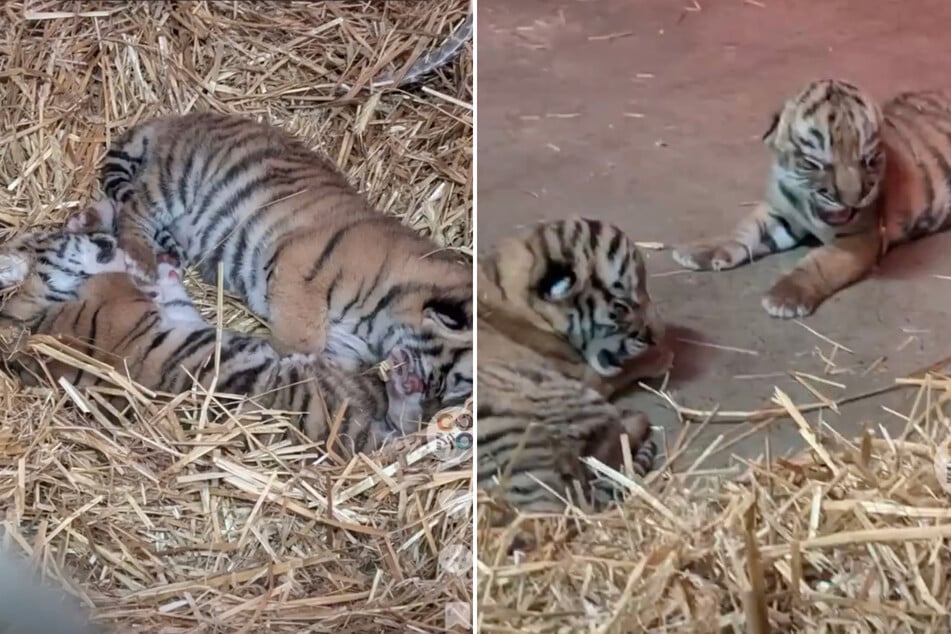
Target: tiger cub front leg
[(137, 239), (99, 216), (763, 232), (821, 273), (136, 234), (651, 364)]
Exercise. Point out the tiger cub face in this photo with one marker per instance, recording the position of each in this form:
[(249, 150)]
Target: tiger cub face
[(829, 158), (51, 266), (581, 280), (432, 373)]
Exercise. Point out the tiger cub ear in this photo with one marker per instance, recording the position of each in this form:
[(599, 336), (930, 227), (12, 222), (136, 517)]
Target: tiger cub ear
[(14, 269), (769, 137)]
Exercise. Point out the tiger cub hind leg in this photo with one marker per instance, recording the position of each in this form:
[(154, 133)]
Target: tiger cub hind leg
[(609, 450), (608, 447), (544, 469)]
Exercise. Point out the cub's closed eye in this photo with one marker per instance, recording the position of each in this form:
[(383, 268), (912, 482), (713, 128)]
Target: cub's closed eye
[(450, 314)]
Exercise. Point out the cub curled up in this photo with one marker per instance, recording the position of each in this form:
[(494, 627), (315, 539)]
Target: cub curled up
[(77, 287), (565, 321), (297, 243)]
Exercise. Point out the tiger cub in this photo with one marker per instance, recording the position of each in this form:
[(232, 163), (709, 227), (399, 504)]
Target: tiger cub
[(76, 287), (297, 242), (565, 320), (859, 178)]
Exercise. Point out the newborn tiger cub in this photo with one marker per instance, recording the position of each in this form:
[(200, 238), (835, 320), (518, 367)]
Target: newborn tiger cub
[(857, 177), (565, 321), (297, 243), (76, 287)]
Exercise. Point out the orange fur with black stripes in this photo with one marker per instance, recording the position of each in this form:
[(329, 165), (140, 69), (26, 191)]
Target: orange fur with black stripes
[(565, 320), (78, 287), (296, 241), (859, 177)]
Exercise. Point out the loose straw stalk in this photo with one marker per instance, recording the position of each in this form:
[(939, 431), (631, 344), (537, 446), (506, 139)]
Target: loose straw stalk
[(850, 532), (170, 515)]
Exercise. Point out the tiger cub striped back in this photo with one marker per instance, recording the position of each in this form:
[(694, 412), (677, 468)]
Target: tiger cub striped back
[(858, 176), (328, 273), (76, 287), (564, 320)]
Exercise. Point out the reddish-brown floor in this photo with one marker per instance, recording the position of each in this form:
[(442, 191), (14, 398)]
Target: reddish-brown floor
[(649, 115)]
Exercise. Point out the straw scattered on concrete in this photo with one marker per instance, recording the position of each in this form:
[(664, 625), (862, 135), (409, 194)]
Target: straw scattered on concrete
[(850, 535)]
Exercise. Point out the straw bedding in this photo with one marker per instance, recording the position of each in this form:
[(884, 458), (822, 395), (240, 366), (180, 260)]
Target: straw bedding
[(849, 536), (159, 518)]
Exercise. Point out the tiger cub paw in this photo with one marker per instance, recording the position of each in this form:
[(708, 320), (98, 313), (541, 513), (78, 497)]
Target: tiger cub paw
[(96, 217), (654, 362), (83, 221), (168, 283), (706, 256), (790, 298), (169, 264), (168, 270)]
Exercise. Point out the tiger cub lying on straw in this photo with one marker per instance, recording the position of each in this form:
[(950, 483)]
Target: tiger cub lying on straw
[(76, 287), (857, 177), (297, 243), (565, 320)]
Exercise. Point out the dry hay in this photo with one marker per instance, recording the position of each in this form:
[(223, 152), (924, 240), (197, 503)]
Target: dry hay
[(159, 519), (848, 536)]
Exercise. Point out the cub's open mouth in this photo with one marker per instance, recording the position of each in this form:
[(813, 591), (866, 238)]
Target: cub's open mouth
[(405, 375), (838, 218), (608, 359)]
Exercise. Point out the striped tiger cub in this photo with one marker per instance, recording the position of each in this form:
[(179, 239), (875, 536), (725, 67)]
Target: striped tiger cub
[(565, 321), (857, 177), (76, 287), (298, 244)]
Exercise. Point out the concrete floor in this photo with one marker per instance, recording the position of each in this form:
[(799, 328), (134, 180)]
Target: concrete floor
[(649, 115)]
